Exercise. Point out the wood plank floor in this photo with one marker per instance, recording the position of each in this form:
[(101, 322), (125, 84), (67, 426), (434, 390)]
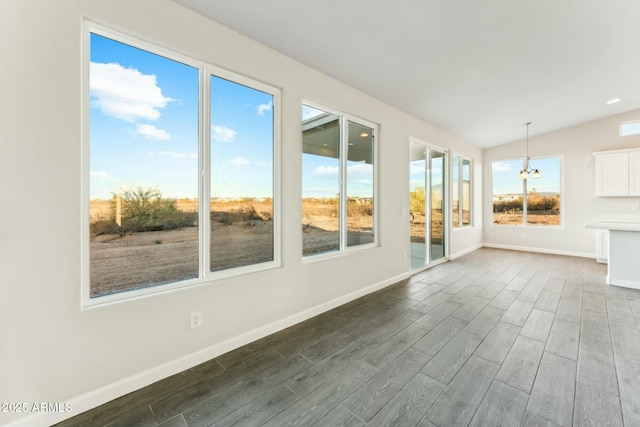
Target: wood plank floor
[(494, 338)]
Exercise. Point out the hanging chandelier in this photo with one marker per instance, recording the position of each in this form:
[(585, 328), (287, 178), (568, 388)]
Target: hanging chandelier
[(524, 173)]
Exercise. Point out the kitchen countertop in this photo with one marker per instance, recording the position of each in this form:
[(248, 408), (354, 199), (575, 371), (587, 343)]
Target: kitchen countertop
[(614, 225)]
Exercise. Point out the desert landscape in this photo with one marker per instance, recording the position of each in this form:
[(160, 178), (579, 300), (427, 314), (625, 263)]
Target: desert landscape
[(533, 218), (320, 224), (542, 209), (130, 253), (418, 227), (241, 234), (241, 230)]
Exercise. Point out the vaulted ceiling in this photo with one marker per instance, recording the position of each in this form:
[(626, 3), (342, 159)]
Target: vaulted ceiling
[(477, 69)]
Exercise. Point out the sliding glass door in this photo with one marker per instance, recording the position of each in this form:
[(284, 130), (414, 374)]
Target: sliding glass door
[(427, 204)]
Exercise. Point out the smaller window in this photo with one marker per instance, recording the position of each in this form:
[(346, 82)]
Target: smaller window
[(630, 128), (466, 192), (461, 180), (338, 182), (455, 178)]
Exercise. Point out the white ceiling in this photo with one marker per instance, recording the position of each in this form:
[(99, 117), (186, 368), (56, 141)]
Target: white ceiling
[(477, 69)]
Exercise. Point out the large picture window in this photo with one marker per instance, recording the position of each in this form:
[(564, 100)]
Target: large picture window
[(531, 201), (338, 182), (173, 196)]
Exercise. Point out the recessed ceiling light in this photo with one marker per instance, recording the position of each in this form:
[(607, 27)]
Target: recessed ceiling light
[(364, 134), (613, 101)]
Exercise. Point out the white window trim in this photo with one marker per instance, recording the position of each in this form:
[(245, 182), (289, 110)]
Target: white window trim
[(204, 197), (343, 248)]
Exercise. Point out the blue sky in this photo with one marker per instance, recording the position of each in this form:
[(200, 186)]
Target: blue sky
[(144, 132), (144, 127), (504, 175), (417, 170), (506, 180)]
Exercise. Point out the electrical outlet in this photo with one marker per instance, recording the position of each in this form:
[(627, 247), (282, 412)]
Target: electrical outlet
[(196, 319), (634, 206)]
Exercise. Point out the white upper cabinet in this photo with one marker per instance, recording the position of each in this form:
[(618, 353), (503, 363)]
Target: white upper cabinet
[(618, 173)]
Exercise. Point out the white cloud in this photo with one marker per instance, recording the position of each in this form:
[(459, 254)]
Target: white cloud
[(126, 93), (222, 133), (326, 170), (263, 108), (239, 161), (152, 132), (174, 155), (360, 171)]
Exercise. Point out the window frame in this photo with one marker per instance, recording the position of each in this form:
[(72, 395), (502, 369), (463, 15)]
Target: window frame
[(343, 120), (525, 223), (205, 71)]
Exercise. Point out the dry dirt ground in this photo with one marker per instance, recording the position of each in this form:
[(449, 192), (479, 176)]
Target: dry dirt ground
[(136, 260), (533, 218), (146, 259), (128, 262), (320, 233)]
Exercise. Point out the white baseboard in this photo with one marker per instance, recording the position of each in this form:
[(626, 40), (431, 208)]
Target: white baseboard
[(464, 252), (623, 283), (112, 391), (540, 250)]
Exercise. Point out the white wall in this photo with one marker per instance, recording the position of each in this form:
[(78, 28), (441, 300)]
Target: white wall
[(579, 204), (53, 351)]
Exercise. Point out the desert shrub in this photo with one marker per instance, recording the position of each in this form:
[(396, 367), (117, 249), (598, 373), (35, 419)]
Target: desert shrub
[(358, 209), (104, 226), (508, 205), (417, 199), (146, 210), (316, 207), (265, 215), (242, 214), (543, 203)]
